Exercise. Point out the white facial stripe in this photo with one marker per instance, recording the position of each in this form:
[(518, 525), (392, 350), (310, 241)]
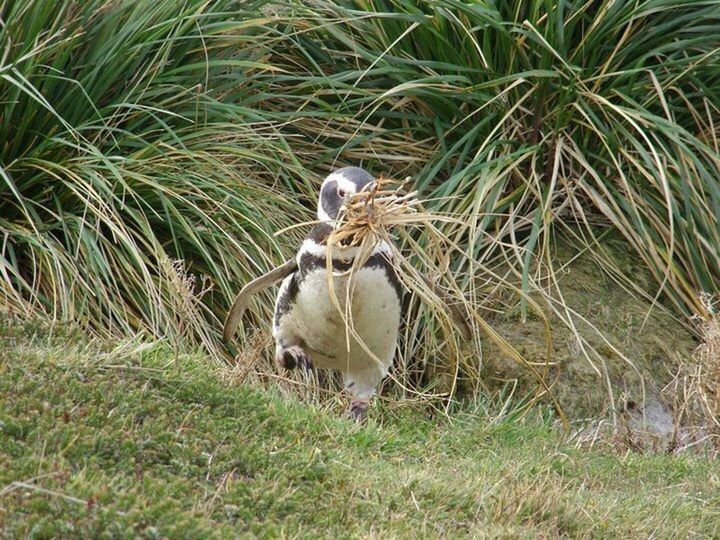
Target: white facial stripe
[(348, 186), (343, 183), (311, 247), (322, 216)]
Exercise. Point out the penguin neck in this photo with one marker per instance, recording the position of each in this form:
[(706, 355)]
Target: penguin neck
[(320, 232)]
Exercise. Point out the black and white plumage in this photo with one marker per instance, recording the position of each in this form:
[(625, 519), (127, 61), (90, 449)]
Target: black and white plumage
[(310, 330)]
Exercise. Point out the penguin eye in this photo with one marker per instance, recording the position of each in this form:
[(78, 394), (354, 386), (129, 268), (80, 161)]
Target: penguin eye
[(341, 193)]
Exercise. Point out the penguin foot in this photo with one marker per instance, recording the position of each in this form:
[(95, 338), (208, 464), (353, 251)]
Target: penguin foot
[(295, 356), (357, 411)]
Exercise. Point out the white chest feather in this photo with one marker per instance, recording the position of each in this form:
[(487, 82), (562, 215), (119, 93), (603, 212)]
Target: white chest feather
[(351, 326), (359, 321)]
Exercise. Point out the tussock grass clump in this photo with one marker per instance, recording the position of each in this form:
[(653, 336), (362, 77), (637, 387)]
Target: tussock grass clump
[(525, 122), (137, 134), (122, 150), (525, 117)]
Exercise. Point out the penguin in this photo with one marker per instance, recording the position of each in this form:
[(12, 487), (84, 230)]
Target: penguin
[(309, 329), (309, 326)]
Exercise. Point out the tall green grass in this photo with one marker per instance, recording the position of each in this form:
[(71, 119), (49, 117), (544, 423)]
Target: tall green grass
[(531, 115), (137, 134), (527, 121), (121, 153)]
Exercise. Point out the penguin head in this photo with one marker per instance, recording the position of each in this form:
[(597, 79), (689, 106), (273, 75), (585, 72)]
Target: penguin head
[(338, 187)]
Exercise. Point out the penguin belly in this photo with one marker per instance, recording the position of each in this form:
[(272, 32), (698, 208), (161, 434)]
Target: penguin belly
[(374, 316)]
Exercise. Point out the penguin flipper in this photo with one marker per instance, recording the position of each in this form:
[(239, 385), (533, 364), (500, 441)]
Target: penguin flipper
[(242, 300)]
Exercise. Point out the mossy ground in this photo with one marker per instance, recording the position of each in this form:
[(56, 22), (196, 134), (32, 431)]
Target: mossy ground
[(122, 442), (624, 348)]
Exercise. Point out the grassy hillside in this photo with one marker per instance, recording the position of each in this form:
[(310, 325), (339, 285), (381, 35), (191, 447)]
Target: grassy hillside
[(126, 441)]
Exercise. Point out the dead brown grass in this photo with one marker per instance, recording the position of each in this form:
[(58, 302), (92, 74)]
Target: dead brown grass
[(707, 357), (452, 340)]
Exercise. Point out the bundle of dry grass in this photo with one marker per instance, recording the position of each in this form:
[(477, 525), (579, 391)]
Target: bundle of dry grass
[(439, 294), (372, 214)]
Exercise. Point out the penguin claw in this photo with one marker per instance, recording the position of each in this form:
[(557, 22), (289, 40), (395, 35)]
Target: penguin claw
[(295, 356), (357, 411)]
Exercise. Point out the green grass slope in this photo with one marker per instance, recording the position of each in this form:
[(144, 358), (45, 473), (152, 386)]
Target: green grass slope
[(124, 442)]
